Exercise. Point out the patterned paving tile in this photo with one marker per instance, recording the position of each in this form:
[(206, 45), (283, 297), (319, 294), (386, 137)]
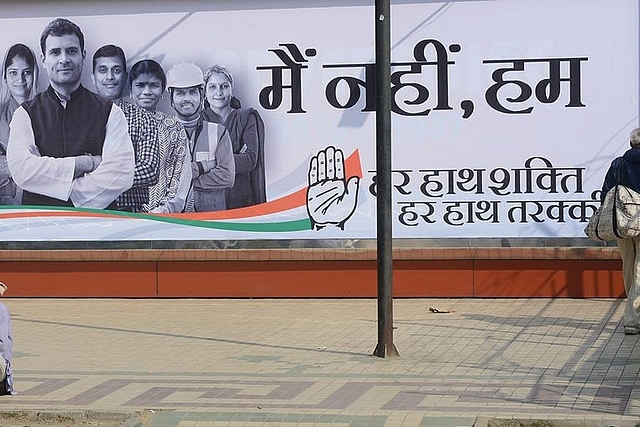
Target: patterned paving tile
[(308, 362)]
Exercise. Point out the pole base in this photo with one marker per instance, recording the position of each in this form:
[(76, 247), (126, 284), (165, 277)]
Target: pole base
[(383, 351)]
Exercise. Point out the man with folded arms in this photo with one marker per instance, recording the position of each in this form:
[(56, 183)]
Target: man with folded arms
[(68, 146)]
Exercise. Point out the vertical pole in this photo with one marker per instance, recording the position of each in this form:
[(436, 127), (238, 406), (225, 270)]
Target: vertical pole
[(385, 345)]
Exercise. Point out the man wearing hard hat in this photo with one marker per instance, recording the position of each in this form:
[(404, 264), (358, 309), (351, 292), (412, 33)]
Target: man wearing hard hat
[(212, 164)]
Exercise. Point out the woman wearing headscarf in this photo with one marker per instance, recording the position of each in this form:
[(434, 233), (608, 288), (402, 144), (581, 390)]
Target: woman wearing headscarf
[(246, 129)]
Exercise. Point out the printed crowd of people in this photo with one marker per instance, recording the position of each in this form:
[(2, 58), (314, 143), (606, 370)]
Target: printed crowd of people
[(69, 146)]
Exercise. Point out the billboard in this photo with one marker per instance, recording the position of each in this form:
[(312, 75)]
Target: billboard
[(505, 117)]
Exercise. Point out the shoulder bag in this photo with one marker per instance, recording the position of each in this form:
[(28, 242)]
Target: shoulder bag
[(617, 218)]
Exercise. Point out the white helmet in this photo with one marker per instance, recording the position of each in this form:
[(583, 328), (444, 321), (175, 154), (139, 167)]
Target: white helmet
[(183, 75)]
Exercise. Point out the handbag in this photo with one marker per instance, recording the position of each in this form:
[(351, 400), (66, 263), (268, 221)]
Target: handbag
[(617, 218), (6, 386)]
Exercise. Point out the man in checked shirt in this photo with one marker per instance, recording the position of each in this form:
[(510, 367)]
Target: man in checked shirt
[(110, 78)]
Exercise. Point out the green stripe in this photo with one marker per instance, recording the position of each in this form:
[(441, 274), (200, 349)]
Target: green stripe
[(261, 227)]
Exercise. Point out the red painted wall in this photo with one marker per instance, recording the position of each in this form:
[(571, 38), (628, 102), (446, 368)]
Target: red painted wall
[(299, 278)]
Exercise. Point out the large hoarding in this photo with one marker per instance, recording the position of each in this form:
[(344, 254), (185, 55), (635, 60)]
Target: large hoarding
[(506, 115)]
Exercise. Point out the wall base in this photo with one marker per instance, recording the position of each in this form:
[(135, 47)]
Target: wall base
[(314, 273)]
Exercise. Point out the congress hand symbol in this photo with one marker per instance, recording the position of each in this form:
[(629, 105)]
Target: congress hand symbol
[(331, 200)]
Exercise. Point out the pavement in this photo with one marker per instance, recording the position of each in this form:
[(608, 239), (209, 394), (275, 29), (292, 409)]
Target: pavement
[(308, 362)]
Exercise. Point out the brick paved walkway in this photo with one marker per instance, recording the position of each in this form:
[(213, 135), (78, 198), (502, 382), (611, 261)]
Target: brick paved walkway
[(202, 363)]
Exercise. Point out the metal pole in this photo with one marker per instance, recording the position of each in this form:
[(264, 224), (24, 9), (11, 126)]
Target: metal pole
[(385, 345)]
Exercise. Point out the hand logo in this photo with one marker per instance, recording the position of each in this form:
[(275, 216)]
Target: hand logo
[(331, 200)]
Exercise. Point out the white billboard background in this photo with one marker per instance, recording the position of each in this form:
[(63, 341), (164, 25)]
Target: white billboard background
[(571, 138)]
